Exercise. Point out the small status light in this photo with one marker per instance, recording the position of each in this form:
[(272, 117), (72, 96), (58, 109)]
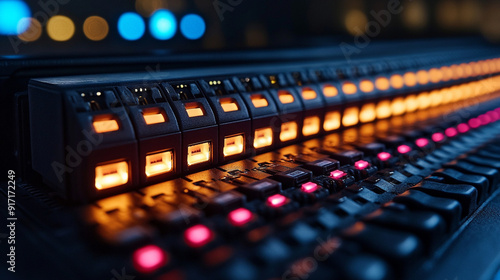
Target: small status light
[(95, 28), (263, 137), (484, 119), (233, 145), (102, 126), (162, 24), (149, 258), (228, 104), (159, 163), (463, 128), (60, 28), (383, 156), (422, 77), (368, 113), (131, 26), (198, 153), (288, 131), (397, 81), (276, 200), (153, 117), (240, 217), (198, 236), (474, 123), (349, 88), (111, 175), (361, 164), (330, 91), (311, 126), (337, 174), (422, 142), (309, 93), (437, 137), (309, 187), (366, 86), (351, 116), (451, 132), (285, 97), (410, 79), (403, 149), (192, 26), (194, 109), (332, 121), (259, 101), (382, 83)]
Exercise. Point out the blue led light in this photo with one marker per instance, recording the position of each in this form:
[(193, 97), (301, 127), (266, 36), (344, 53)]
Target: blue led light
[(163, 25), (192, 26), (131, 26), (11, 14)]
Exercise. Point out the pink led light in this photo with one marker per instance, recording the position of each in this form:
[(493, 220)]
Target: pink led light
[(484, 119), (240, 217), (309, 187), (403, 149), (361, 164), (462, 128), (422, 142), (437, 137), (337, 174), (474, 123), (198, 236), (451, 132), (276, 200), (149, 258), (495, 116), (383, 156)]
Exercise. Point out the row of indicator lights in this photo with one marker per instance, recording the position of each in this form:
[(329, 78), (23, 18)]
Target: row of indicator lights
[(151, 257), (199, 153), (15, 19)]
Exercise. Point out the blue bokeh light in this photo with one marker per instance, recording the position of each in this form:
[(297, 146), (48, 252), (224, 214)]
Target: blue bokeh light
[(131, 26), (163, 25), (192, 26), (11, 14)]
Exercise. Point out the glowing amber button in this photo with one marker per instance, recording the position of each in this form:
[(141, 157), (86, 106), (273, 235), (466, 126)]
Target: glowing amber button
[(194, 109), (311, 126), (228, 104), (349, 88), (233, 145), (368, 113), (102, 126), (382, 83), (332, 121), (309, 93), (288, 131), (159, 163), (285, 97), (422, 77), (111, 175), (410, 79), (153, 118), (330, 91), (397, 81), (263, 137), (60, 28), (350, 117), (435, 75), (259, 101), (366, 86), (198, 153)]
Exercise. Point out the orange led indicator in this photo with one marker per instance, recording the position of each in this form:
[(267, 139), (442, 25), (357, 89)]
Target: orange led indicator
[(228, 104), (111, 175), (233, 145), (308, 93), (311, 126), (194, 109), (159, 163), (263, 137), (198, 153), (288, 131), (349, 88), (366, 86), (330, 91), (285, 97), (102, 126), (153, 118), (258, 101), (332, 121)]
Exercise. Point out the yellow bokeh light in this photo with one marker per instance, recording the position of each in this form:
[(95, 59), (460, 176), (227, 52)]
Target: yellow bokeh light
[(60, 28), (355, 22), (95, 28), (33, 32)]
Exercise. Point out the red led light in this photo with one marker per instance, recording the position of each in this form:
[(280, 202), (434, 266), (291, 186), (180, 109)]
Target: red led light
[(437, 137), (462, 128), (474, 123), (309, 187), (403, 149), (149, 258), (337, 174), (240, 217), (361, 164), (276, 200), (422, 142), (383, 156), (451, 132), (484, 119), (198, 236)]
